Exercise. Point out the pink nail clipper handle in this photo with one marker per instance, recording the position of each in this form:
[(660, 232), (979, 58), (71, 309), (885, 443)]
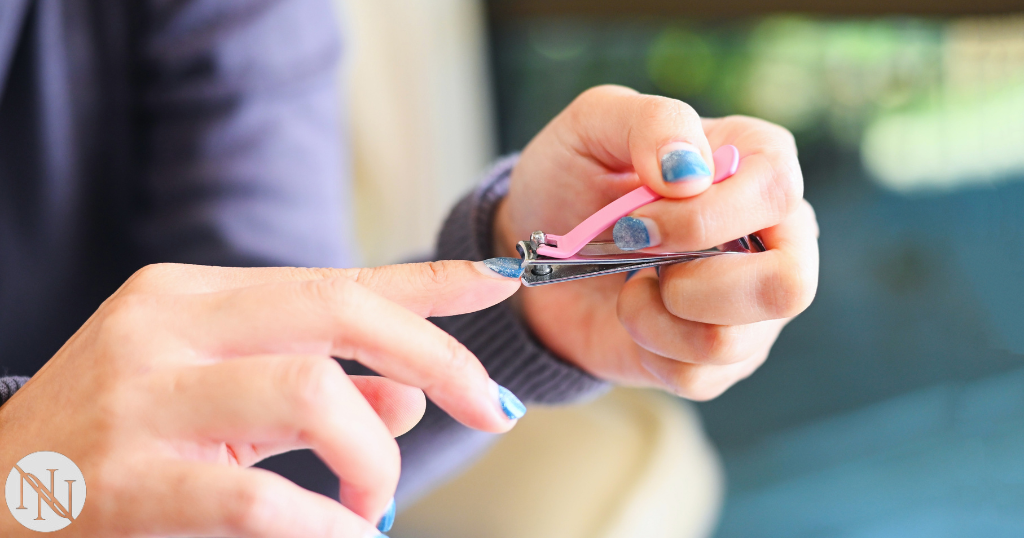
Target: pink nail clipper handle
[(727, 160)]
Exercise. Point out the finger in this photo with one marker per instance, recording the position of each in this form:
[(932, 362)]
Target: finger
[(305, 401), (441, 288), (201, 499), (655, 329), (444, 288), (701, 382), (342, 318), (659, 138), (738, 289), (399, 406), (767, 187)]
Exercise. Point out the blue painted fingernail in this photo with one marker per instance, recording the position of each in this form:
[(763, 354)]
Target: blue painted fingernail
[(683, 165), (388, 519), (506, 267), (512, 406), (632, 233), (631, 274)]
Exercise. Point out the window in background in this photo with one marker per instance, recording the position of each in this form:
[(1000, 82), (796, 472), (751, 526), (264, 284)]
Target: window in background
[(895, 405)]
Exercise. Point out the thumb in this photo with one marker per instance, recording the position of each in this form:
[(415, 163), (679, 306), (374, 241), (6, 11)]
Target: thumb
[(443, 288), (661, 139)]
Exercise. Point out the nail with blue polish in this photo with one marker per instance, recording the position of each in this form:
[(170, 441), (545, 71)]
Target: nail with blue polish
[(388, 519), (506, 267), (513, 407), (634, 233), (684, 164)]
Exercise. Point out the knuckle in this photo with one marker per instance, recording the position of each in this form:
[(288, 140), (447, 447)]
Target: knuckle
[(693, 383), (367, 276), (151, 276), (251, 507), (453, 359), (785, 136), (717, 344), (309, 383), (782, 190), (785, 291), (124, 317), (316, 273), (335, 296), (456, 356), (582, 107), (434, 274), (599, 93), (670, 289), (418, 276), (657, 109)]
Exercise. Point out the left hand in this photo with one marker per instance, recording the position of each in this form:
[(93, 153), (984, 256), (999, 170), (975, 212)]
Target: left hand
[(701, 326)]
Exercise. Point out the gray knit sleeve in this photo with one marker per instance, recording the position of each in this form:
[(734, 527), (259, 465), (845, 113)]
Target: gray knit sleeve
[(10, 385), (438, 446)]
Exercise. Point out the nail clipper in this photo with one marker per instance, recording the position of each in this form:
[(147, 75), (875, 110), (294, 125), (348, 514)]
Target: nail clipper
[(549, 258)]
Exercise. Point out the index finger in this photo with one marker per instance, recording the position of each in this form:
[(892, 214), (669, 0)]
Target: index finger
[(439, 288)]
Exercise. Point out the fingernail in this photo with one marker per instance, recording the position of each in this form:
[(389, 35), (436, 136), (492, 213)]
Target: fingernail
[(631, 274), (683, 164), (634, 233), (388, 519), (506, 267), (510, 405)]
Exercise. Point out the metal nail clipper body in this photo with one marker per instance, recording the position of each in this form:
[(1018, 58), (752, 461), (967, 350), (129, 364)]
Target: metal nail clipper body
[(604, 258), (549, 258)]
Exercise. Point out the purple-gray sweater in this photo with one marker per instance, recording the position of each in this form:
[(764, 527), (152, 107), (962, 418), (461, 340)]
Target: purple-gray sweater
[(204, 131)]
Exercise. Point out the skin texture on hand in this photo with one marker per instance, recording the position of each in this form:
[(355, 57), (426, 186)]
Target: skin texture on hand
[(188, 375), (701, 326)]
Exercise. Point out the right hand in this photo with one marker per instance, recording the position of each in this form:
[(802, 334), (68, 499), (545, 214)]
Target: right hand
[(187, 375)]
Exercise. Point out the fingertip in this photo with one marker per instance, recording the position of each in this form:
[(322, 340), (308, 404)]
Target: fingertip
[(458, 287), (509, 403), (688, 189), (685, 170), (502, 276), (502, 268)]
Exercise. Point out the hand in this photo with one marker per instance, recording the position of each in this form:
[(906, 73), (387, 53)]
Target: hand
[(703, 325), (188, 374)]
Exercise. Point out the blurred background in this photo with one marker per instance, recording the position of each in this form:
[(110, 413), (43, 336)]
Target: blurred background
[(895, 405)]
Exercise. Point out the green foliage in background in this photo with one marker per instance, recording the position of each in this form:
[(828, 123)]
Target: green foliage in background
[(904, 93), (805, 74)]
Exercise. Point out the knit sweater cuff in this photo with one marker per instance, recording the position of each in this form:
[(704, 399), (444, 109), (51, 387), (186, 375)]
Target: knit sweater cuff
[(10, 385)]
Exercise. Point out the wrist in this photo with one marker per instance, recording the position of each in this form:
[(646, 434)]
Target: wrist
[(504, 244)]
